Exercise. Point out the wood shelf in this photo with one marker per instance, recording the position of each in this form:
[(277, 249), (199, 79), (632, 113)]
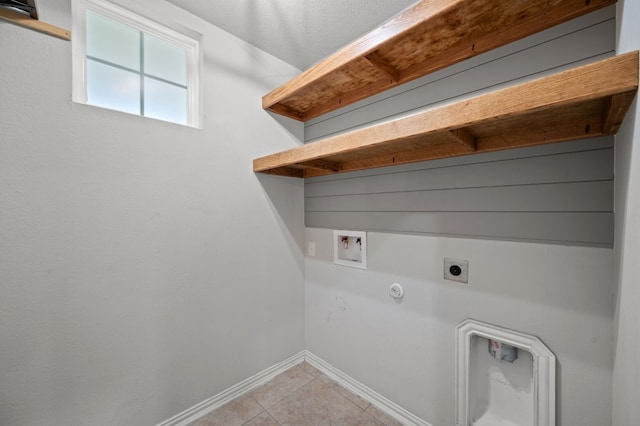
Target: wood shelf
[(583, 102), (429, 36), (26, 21)]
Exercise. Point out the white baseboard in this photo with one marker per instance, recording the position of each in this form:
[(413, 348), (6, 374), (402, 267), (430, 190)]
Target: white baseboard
[(377, 400), (208, 405)]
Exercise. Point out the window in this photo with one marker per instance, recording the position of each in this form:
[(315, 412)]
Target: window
[(128, 63)]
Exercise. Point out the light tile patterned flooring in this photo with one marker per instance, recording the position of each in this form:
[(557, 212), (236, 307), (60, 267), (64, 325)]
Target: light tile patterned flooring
[(301, 396)]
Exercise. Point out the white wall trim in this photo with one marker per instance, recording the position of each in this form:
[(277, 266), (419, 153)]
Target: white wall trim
[(379, 401), (201, 409)]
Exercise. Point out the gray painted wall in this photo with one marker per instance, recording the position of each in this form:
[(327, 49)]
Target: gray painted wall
[(626, 386), (405, 351), (137, 257), (560, 193)]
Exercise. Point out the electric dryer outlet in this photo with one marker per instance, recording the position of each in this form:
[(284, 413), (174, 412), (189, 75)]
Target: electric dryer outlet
[(456, 270)]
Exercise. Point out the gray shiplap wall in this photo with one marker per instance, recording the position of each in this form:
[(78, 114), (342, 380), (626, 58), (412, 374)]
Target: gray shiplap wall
[(560, 193)]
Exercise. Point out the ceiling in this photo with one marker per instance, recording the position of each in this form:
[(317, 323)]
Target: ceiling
[(300, 32)]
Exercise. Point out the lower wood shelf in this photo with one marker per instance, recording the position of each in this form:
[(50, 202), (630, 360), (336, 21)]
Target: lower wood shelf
[(583, 102)]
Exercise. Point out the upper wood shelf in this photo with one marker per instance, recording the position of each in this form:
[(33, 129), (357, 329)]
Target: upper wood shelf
[(583, 102), (26, 21), (429, 36)]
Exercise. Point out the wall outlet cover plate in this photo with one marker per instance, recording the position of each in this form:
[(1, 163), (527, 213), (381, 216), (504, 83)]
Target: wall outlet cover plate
[(456, 270)]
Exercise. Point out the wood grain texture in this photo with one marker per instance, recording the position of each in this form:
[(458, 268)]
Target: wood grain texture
[(573, 104), (464, 137), (614, 111), (430, 36), (34, 24)]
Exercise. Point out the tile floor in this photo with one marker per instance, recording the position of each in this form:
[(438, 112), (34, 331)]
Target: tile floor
[(301, 396)]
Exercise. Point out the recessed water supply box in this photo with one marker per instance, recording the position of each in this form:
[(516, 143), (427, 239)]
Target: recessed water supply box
[(350, 248)]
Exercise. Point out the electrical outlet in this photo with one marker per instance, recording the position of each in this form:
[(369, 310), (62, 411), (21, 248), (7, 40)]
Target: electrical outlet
[(456, 270)]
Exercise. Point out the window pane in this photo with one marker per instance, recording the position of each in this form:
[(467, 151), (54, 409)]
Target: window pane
[(164, 60), (112, 41), (165, 101), (113, 88)]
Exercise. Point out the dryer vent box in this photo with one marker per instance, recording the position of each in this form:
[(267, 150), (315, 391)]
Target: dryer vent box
[(350, 248)]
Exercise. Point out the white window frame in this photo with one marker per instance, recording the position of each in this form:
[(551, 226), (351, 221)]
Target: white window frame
[(140, 23)]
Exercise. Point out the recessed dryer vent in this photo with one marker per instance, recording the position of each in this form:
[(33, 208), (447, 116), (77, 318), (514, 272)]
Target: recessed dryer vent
[(503, 377)]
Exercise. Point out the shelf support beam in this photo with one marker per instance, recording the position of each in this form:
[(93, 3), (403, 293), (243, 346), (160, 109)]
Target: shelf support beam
[(615, 111), (464, 137), (378, 62)]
